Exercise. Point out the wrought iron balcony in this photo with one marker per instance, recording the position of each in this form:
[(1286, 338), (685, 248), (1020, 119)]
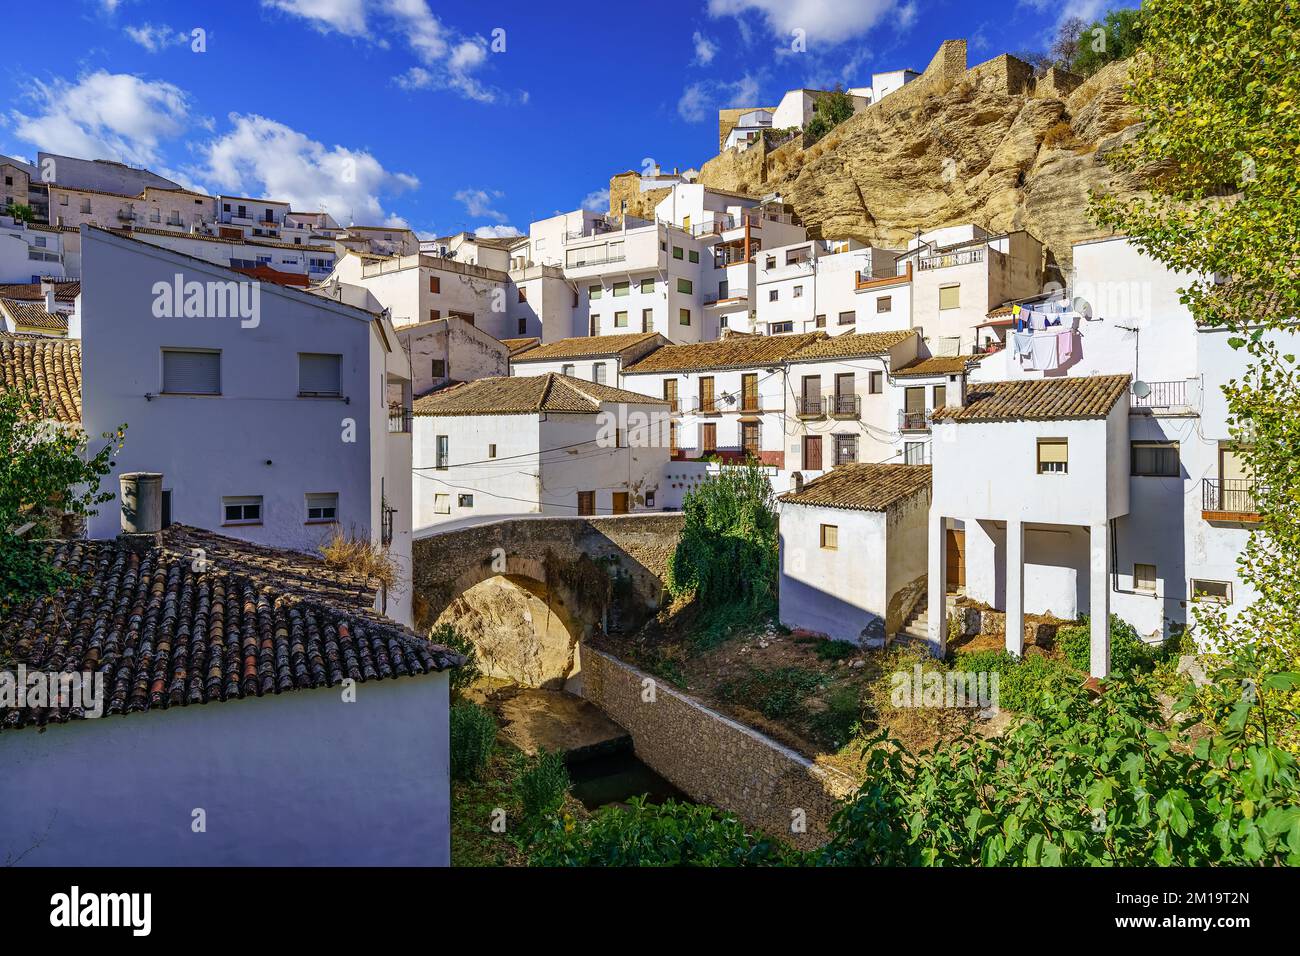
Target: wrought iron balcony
[(846, 406), (810, 407), (913, 422), (1229, 499)]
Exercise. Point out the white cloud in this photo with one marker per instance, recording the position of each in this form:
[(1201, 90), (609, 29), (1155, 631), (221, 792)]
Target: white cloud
[(447, 59), (262, 157), (823, 21), (1085, 10), (104, 115), (705, 49), (596, 200), (478, 203), (701, 100), (155, 38), (497, 232), (906, 16)]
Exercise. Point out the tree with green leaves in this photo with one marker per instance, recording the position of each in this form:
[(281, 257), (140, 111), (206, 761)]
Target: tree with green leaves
[(1116, 37), (44, 474), (1219, 91), (21, 212), (830, 110)]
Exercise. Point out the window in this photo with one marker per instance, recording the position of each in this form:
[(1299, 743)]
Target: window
[(914, 453), (319, 375), (523, 326), (324, 508), (684, 317), (594, 323), (435, 285), (586, 502), (598, 373), (773, 295), (884, 304), (649, 499), (707, 403), (694, 256), (776, 328), (670, 393), (242, 510), (950, 297), (63, 199), (1053, 456), (620, 320), (187, 372), (647, 319), (1154, 459), (647, 285), (1144, 577), (677, 252), (749, 442), (876, 383), (846, 449), (830, 537), (622, 289), (769, 262), (492, 451), (594, 292), (438, 368), (848, 318), (940, 396), (464, 501), (523, 294), (821, 322), (442, 504), (672, 438), (441, 457), (1219, 592), (434, 315), (798, 292), (566, 370), (685, 286)]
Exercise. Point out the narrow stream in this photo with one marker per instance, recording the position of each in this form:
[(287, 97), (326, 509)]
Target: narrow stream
[(614, 774)]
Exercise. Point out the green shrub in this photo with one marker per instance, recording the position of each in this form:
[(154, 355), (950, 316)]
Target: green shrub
[(543, 786), (670, 834), (1027, 685), (473, 733), (834, 650), (460, 677), (1129, 654), (838, 723), (775, 693)]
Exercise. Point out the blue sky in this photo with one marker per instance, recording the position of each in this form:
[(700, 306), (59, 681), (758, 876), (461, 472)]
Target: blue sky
[(451, 116)]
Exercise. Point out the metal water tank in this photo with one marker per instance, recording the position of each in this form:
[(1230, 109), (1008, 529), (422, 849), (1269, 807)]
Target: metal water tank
[(142, 495)]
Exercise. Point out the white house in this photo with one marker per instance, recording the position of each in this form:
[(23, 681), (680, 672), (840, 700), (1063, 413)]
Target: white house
[(1029, 479), (219, 691), (239, 217), (749, 127), (601, 359), (29, 252), (450, 350), (835, 285), (543, 444), (882, 84), (853, 550), (273, 414), (917, 389), (797, 106)]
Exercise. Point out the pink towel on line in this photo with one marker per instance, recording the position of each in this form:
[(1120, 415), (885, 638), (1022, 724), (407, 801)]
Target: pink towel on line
[(1064, 347)]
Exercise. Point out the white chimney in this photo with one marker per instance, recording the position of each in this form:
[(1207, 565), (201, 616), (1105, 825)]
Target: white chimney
[(47, 290)]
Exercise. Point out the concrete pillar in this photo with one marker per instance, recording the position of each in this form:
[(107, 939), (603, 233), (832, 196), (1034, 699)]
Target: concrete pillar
[(937, 579), (1099, 600), (1015, 587)]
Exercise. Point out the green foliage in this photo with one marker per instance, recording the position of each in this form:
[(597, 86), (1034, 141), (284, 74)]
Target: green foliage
[(1218, 89), (543, 785), (727, 556), (828, 650), (828, 112), (1090, 782), (1129, 654), (774, 693), (473, 733), (20, 212), (1117, 37), (839, 722), (42, 476), (461, 677), (1028, 685), (670, 834)]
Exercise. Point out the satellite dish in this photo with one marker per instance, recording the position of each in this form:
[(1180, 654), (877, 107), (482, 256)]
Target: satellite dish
[(1141, 389), (1083, 307)]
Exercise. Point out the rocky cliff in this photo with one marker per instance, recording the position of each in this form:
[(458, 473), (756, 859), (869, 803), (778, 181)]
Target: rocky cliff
[(990, 145)]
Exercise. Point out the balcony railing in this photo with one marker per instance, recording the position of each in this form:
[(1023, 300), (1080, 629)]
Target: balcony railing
[(810, 407), (750, 403), (846, 406), (946, 259), (1161, 395), (730, 255), (580, 262), (1229, 496), (399, 421), (913, 422)]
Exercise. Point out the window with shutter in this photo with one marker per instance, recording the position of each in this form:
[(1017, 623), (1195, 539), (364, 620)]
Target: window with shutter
[(1053, 456), (187, 372), (319, 374), (950, 297), (323, 507)]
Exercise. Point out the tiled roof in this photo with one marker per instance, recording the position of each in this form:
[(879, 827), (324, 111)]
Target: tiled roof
[(30, 315), (935, 365), (51, 368), (31, 291), (1038, 399), (862, 487), (526, 394), (165, 634), (737, 351), (584, 346), (521, 344), (851, 345)]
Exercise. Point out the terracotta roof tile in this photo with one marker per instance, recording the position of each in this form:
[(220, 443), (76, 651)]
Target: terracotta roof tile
[(584, 346), (935, 365), (851, 345), (736, 351), (30, 315), (51, 368), (521, 344), (526, 394), (31, 291), (862, 487), (164, 634), (1038, 399)]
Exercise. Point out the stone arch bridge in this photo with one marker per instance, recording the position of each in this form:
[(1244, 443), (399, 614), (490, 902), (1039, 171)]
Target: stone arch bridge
[(529, 589)]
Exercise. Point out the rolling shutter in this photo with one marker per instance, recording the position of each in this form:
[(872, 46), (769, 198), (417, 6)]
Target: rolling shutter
[(191, 373), (318, 374)]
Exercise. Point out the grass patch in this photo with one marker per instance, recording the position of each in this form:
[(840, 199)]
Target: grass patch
[(775, 693)]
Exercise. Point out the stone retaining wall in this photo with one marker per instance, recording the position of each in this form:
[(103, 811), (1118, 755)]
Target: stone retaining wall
[(714, 759)]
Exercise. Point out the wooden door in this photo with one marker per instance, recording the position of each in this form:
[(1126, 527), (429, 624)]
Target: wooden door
[(620, 502), (812, 452), (749, 438), (708, 438), (956, 558), (586, 502)]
